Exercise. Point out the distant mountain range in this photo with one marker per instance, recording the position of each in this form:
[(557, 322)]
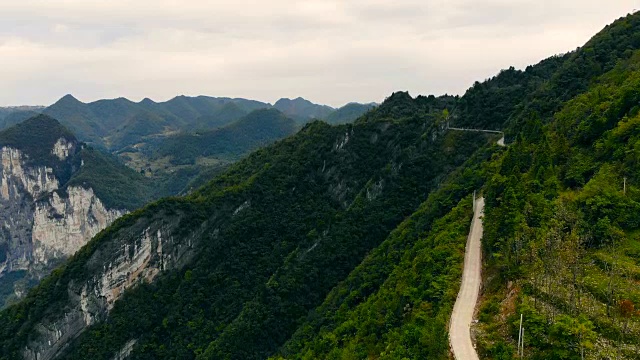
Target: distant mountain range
[(116, 123), (158, 139), (14, 114)]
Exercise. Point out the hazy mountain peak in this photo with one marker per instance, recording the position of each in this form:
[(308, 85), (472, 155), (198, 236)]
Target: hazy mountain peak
[(302, 109), (147, 101), (68, 99)]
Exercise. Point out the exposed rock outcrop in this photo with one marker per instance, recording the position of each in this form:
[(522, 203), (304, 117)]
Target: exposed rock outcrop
[(62, 225), (40, 222), (135, 255)]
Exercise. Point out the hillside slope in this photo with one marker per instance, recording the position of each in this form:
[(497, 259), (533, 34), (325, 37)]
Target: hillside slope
[(256, 129), (347, 241), (561, 239), (246, 246)]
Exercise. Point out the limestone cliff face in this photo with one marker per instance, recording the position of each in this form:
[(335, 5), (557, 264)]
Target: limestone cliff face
[(62, 225), (40, 223), (134, 255)]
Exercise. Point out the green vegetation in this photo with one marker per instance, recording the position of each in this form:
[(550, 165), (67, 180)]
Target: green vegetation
[(393, 309), (116, 185), (561, 224), (36, 138), (316, 204), (176, 143), (259, 128), (346, 242)]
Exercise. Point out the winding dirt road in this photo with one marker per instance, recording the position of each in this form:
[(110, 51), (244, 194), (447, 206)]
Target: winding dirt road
[(462, 316)]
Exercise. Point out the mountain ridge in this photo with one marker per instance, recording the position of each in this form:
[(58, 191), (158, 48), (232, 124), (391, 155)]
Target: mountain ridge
[(347, 241)]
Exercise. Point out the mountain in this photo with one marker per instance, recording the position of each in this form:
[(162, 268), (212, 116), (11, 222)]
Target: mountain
[(246, 246), (134, 131), (348, 241), (56, 193), (6, 111), (116, 123), (348, 113), (12, 115), (302, 110), (177, 163), (258, 128)]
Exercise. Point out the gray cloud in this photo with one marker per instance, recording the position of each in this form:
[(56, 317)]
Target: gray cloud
[(329, 51)]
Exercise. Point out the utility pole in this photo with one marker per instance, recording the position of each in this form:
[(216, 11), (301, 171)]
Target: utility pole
[(522, 345), (519, 334), (474, 201)]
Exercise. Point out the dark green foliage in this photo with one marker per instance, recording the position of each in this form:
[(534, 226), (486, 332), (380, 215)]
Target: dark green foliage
[(406, 315), (116, 185), (315, 205), (257, 129), (489, 104), (36, 138), (347, 241), (7, 282)]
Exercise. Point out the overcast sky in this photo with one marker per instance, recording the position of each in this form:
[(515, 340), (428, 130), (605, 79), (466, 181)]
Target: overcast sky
[(330, 52)]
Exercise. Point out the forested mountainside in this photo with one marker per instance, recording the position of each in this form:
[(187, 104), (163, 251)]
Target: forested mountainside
[(180, 162), (347, 241), (56, 193), (257, 129), (245, 249), (348, 113), (146, 135)]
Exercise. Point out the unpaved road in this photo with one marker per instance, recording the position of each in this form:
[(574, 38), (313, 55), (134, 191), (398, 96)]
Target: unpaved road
[(459, 333)]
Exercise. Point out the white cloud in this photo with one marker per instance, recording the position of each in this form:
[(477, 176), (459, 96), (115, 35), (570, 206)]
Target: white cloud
[(328, 51)]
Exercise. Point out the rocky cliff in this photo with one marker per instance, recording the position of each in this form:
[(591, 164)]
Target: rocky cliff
[(139, 254), (43, 219), (42, 223)]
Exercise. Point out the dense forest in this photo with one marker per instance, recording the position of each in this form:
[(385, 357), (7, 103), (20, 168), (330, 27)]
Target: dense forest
[(346, 242)]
